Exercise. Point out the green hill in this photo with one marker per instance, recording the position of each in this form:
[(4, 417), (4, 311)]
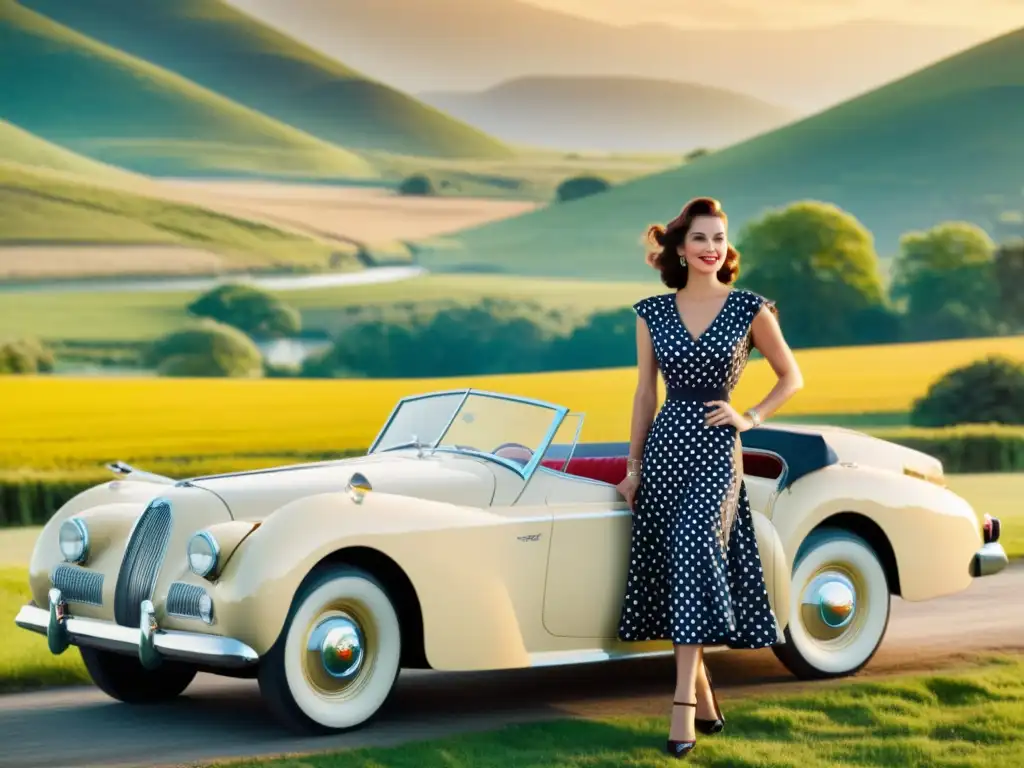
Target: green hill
[(231, 53), (20, 146), (90, 98), (50, 208), (943, 143)]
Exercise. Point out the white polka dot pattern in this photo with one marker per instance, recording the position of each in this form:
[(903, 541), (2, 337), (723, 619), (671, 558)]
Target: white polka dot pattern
[(695, 574)]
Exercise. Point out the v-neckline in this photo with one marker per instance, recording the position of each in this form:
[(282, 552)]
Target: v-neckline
[(696, 339)]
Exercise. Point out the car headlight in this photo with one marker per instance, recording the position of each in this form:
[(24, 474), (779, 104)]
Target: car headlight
[(74, 540), (203, 553)]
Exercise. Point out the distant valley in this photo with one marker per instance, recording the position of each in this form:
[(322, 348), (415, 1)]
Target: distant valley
[(625, 114)]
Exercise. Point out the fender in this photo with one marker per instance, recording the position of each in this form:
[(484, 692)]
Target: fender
[(933, 532), (455, 557)]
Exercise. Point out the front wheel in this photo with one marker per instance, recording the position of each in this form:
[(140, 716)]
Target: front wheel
[(338, 656), (125, 679), (839, 607)]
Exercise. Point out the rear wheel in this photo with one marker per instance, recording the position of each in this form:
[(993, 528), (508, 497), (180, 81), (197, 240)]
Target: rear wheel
[(839, 606), (125, 679), (338, 656)]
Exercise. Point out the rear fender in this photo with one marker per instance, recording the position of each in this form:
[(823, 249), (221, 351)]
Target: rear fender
[(776, 566), (449, 554), (933, 532)]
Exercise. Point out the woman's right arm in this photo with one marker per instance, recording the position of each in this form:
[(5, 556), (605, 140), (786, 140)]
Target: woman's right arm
[(645, 398)]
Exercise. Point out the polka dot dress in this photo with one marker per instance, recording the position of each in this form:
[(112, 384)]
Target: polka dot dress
[(695, 574)]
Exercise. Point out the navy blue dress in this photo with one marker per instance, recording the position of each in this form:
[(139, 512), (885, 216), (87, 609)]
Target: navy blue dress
[(695, 574)]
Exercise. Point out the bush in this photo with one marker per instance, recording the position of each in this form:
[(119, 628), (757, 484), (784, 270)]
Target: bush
[(25, 356), (975, 448), (253, 311), (986, 391), (417, 184), (212, 349), (581, 186)]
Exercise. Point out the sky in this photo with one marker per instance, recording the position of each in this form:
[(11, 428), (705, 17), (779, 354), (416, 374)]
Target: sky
[(994, 15)]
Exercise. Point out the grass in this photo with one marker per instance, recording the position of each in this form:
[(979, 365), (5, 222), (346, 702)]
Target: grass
[(967, 718), (131, 113), (61, 423), (48, 208), (130, 316), (223, 49), (19, 146), (902, 157)]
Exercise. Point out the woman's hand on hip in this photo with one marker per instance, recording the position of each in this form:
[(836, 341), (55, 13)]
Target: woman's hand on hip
[(627, 487), (723, 414)]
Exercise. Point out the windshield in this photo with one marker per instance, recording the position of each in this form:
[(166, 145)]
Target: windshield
[(512, 431)]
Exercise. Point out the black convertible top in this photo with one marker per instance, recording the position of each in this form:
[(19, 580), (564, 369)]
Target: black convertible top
[(803, 452)]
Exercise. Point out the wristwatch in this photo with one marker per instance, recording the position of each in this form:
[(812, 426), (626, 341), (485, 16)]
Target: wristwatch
[(754, 416)]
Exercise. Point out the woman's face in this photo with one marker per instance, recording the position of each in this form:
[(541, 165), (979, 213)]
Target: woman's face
[(705, 245)]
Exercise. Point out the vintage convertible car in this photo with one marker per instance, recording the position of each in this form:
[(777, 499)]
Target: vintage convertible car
[(478, 533)]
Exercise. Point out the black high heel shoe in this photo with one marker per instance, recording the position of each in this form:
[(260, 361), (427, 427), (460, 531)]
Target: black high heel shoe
[(681, 749), (710, 726)]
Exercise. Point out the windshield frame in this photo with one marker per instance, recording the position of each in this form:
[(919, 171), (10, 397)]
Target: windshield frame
[(525, 471)]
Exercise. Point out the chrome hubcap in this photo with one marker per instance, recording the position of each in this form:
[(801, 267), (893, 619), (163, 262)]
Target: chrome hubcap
[(340, 644), (828, 605)]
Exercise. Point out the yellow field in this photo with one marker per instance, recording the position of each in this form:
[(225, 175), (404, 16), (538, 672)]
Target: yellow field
[(49, 423)]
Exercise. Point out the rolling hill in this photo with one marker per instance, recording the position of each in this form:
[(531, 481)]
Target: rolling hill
[(227, 51), (93, 99), (20, 146), (469, 45), (625, 114), (941, 144), (138, 233)]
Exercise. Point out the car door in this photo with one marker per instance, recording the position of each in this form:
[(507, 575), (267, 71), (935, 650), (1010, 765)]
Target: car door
[(587, 567)]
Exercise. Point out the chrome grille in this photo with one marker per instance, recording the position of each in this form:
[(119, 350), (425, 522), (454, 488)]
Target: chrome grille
[(183, 600), (78, 585), (142, 557)]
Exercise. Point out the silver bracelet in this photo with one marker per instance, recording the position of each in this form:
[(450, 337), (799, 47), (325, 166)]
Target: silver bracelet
[(754, 416)]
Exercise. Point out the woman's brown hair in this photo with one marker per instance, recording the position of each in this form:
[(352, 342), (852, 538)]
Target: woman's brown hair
[(663, 242)]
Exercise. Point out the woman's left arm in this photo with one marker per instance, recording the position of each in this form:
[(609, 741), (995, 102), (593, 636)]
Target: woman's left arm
[(768, 338)]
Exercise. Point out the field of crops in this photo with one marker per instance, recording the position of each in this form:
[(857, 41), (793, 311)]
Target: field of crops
[(55, 423)]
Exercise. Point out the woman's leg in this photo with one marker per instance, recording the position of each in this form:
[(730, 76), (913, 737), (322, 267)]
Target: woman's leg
[(687, 657), (705, 703)]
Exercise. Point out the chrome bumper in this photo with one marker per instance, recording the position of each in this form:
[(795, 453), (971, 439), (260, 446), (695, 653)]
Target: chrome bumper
[(150, 643), (991, 558)]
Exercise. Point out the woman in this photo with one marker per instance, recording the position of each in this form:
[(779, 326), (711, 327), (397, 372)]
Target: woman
[(695, 574)]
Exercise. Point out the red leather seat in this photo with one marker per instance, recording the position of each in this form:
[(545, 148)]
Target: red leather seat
[(612, 469)]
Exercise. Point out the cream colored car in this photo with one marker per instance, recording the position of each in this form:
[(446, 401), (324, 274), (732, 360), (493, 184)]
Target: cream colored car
[(478, 533)]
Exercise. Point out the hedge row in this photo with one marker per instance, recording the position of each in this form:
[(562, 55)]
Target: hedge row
[(30, 499)]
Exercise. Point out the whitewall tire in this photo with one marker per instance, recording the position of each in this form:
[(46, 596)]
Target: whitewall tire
[(839, 606), (336, 661)]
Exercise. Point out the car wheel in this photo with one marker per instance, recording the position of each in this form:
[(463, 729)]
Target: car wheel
[(839, 609), (338, 656), (125, 679)]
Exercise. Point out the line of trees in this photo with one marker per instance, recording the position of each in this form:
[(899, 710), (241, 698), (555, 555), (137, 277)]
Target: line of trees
[(815, 260)]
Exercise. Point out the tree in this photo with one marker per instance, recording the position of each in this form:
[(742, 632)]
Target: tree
[(1008, 269), (581, 186), (25, 356), (418, 184), (251, 310), (819, 264), (989, 390), (211, 349), (945, 278)]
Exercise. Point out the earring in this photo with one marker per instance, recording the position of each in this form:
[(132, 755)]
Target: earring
[(682, 261)]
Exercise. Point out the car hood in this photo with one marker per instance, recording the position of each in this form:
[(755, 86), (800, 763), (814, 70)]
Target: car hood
[(450, 478)]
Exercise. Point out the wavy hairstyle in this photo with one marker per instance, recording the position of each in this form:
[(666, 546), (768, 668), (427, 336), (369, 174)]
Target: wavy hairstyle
[(663, 242)]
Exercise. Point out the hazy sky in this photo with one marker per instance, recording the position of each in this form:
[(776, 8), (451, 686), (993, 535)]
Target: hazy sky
[(997, 15)]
